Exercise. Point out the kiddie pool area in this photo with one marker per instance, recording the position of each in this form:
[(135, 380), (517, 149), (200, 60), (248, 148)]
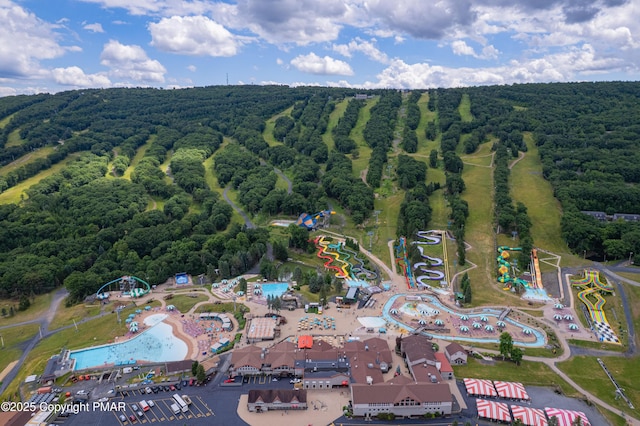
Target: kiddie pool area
[(273, 289), (154, 344)]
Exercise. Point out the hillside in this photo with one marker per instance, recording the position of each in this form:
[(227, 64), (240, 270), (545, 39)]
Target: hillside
[(130, 181)]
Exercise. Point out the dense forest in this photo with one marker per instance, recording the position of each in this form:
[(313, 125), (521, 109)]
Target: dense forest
[(133, 195)]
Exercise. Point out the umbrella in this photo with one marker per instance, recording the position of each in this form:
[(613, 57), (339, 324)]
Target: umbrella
[(501, 324), (128, 320), (394, 311), (133, 328), (558, 306), (439, 322), (464, 317), (138, 311), (557, 317), (257, 291), (215, 285), (526, 331), (133, 324), (170, 307), (477, 325), (464, 328), (573, 327), (488, 327), (568, 317), (423, 312), (240, 293), (484, 319), (422, 322), (132, 315), (147, 308), (436, 312)]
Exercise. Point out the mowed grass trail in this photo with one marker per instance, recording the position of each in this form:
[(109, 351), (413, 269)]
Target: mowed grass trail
[(338, 111), (362, 162), (530, 188), (267, 134), (26, 159), (16, 193)]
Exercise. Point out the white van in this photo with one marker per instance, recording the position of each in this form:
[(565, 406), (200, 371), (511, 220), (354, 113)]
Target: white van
[(175, 408)]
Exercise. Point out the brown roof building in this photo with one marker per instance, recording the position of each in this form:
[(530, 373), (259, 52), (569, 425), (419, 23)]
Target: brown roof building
[(402, 397), (276, 399)]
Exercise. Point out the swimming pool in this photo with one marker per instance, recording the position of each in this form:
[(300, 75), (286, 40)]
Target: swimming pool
[(154, 345), (274, 289)]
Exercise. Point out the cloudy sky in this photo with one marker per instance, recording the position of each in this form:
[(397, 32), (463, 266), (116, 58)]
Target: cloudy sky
[(54, 45)]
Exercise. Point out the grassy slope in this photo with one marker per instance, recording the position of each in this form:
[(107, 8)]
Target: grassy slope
[(139, 156), (267, 134), (529, 187), (26, 159), (465, 109), (14, 194), (212, 180), (14, 139), (6, 120), (335, 115), (13, 338), (362, 162)]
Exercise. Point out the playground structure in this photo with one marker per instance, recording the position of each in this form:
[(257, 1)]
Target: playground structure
[(310, 221), (504, 268), (127, 285), (432, 237), (337, 252), (592, 289)]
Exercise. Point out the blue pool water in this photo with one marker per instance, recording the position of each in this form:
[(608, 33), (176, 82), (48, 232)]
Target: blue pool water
[(274, 289), (155, 344), (540, 341)]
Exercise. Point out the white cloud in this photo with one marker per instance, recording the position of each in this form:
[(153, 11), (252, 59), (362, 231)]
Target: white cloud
[(366, 47), (314, 64), (75, 76), (131, 62), (193, 35), (192, 68), (25, 39), (461, 48), (96, 28)]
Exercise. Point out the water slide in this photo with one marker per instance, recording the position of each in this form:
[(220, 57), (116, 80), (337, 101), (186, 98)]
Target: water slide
[(341, 272), (359, 268), (537, 282), (403, 261), (428, 238), (594, 286)]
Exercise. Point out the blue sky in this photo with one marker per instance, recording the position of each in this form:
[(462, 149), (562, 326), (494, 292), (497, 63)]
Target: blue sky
[(54, 45)]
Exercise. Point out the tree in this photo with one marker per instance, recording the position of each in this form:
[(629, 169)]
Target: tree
[(4, 312), (201, 376), (297, 274), (194, 368), (242, 284), (506, 345), (280, 251), (553, 421), (516, 355), (433, 158)]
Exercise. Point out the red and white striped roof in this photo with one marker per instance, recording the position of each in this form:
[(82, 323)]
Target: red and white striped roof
[(566, 417), (480, 387), (529, 416), (512, 390), (493, 410)]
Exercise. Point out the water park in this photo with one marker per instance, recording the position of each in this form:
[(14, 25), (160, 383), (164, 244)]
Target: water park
[(126, 286), (421, 275), (338, 257), (590, 294), (426, 314), (532, 286)]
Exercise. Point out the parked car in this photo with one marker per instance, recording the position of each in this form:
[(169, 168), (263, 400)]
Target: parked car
[(122, 418), (133, 418), (151, 403), (296, 380), (134, 407), (230, 380), (105, 399), (148, 390), (140, 413), (154, 389), (185, 383), (82, 392), (172, 388)]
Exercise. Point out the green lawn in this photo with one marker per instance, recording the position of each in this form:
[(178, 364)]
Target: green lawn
[(184, 302), (6, 120), (12, 339), (212, 180), (586, 372), (425, 146), (26, 159), (66, 315), (528, 373), (39, 305), (529, 187)]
